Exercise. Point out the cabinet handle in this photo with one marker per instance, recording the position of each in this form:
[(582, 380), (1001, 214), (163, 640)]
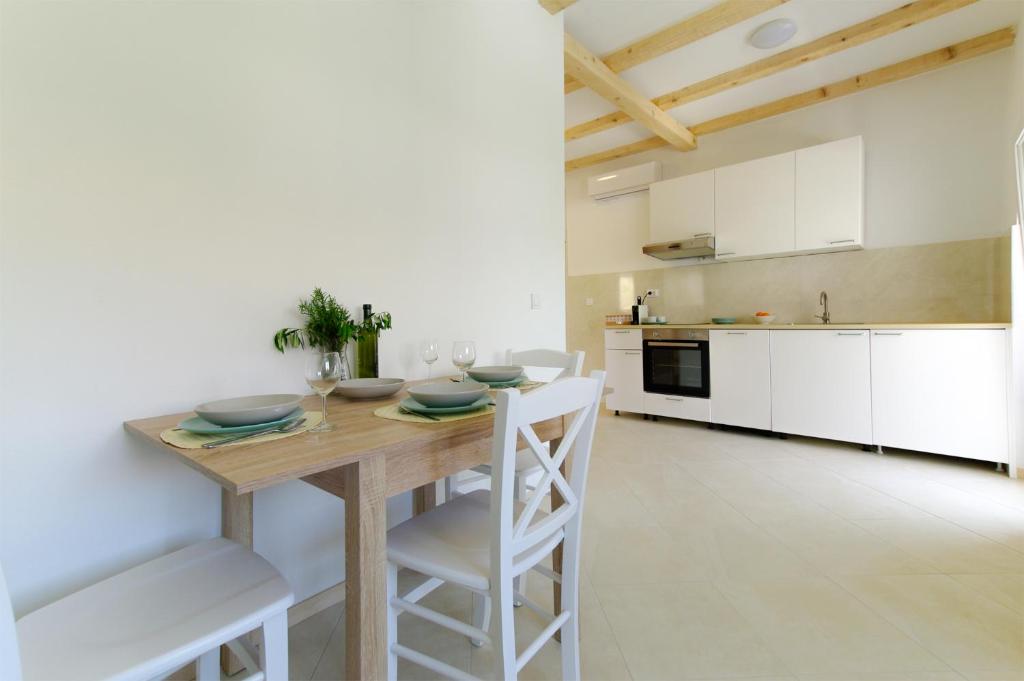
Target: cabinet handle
[(674, 399), (701, 234), (656, 344), (736, 333), (622, 332), (888, 333), (841, 241), (850, 333), (633, 353)]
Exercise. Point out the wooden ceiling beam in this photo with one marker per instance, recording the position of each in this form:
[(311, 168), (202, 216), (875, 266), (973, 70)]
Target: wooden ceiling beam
[(714, 19), (946, 56), (858, 34), (555, 6), (591, 71)]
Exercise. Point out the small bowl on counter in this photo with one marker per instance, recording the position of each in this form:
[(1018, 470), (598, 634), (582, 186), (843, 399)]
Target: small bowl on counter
[(764, 318)]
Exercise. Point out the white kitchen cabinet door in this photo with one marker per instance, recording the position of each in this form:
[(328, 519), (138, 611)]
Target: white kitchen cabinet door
[(625, 377), (830, 196), (741, 388), (683, 207), (754, 208), (941, 391), (821, 384)]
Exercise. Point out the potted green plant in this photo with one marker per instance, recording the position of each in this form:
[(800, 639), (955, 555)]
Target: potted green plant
[(329, 327)]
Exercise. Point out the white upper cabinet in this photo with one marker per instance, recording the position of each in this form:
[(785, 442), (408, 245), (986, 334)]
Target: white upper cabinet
[(683, 207), (830, 196), (754, 208), (941, 391), (821, 384)]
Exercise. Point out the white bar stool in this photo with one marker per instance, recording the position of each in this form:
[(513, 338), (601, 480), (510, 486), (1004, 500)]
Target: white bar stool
[(152, 619)]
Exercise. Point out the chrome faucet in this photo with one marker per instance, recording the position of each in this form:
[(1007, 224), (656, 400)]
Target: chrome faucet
[(824, 316)]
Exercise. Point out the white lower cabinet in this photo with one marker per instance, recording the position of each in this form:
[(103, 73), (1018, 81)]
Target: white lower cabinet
[(741, 386), (625, 369), (941, 391), (821, 384), (677, 406)]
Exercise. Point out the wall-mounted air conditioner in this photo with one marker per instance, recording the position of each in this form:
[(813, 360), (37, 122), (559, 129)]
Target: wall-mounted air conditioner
[(624, 180)]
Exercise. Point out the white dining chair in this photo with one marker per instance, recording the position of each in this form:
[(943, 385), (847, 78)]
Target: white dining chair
[(155, 618), (540, 364), (546, 365), (483, 540)]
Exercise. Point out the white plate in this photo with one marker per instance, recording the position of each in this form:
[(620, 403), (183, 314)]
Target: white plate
[(448, 393), (369, 388), (495, 374), (245, 411)]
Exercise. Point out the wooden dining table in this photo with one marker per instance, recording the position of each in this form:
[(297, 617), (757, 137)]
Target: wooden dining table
[(364, 460)]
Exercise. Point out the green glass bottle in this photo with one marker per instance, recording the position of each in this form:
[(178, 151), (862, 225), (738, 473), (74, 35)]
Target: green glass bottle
[(366, 350)]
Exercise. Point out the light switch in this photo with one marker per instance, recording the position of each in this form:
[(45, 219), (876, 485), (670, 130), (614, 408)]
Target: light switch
[(534, 301)]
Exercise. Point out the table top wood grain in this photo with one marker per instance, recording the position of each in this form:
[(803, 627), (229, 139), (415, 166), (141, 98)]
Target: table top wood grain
[(357, 434)]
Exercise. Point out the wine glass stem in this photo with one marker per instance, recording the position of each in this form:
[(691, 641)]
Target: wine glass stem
[(428, 371), (323, 409)]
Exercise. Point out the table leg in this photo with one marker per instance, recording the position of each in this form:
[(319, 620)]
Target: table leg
[(235, 524), (556, 554), (424, 498), (365, 570)]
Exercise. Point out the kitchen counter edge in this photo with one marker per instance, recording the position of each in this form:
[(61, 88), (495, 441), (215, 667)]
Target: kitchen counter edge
[(819, 327)]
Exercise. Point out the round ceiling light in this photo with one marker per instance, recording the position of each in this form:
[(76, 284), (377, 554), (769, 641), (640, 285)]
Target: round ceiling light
[(773, 34)]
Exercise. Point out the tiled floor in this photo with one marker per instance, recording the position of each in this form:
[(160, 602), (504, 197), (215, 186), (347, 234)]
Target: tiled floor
[(732, 555)]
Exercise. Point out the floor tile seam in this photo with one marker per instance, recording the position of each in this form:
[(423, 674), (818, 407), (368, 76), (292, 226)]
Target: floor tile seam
[(909, 634), (323, 651)]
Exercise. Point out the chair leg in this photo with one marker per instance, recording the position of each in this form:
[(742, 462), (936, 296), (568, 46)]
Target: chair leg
[(274, 651), (503, 633), (571, 604), (208, 666), (481, 615), (392, 592)]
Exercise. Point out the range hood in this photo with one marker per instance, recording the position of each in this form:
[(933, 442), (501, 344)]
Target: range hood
[(685, 248)]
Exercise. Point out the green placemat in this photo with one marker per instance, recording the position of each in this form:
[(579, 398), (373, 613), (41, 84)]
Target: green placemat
[(186, 440)]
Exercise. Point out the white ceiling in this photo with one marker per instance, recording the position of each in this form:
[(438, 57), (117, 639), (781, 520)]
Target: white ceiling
[(606, 25)]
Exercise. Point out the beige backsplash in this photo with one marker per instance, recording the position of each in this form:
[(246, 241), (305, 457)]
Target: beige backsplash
[(960, 281)]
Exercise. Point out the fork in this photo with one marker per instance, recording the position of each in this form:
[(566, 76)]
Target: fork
[(413, 413), (280, 429)]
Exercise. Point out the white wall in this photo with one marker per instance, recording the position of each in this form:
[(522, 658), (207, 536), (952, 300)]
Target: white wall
[(176, 175), (937, 163)]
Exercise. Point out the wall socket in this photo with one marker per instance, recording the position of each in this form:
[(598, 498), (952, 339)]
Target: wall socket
[(653, 292)]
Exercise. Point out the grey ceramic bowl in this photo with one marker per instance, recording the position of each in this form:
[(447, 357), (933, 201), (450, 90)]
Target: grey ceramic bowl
[(447, 394), (369, 388), (246, 411), (495, 374)]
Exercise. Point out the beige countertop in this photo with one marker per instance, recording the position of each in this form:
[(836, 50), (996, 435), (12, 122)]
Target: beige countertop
[(801, 327)]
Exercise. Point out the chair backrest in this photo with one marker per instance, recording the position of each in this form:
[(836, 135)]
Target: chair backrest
[(10, 658), (575, 400), (570, 363)]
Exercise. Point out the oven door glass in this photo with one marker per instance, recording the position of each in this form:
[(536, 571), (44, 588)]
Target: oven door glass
[(676, 368)]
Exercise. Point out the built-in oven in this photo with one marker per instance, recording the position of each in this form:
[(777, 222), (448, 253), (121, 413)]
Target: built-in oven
[(677, 362)]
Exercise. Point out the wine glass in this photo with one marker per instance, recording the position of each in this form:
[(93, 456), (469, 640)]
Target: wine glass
[(323, 370), (429, 354), (463, 355)]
